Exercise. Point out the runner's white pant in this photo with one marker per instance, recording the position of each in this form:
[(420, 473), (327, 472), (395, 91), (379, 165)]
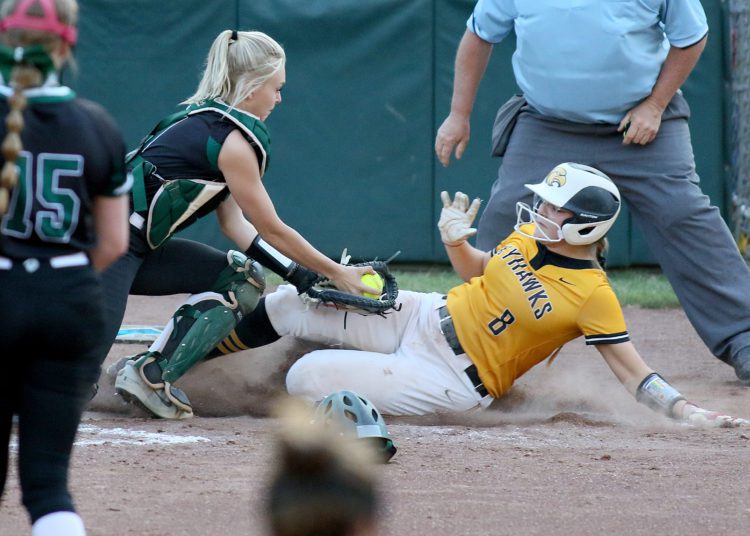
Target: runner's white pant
[(400, 362)]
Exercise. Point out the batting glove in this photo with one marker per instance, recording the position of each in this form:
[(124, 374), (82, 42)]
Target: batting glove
[(456, 218), (692, 414)]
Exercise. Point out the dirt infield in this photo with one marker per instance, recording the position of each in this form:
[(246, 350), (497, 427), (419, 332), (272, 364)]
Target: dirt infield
[(566, 452)]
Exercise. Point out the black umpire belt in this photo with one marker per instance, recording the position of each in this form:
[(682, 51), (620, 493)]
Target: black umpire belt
[(449, 332)]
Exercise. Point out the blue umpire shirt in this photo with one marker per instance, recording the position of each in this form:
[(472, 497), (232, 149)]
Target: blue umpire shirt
[(589, 61)]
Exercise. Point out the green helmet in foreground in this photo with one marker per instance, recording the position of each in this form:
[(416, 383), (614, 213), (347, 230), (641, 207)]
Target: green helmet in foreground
[(355, 414)]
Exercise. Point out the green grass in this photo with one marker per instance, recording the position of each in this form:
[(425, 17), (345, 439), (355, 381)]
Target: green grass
[(645, 287), (437, 278)]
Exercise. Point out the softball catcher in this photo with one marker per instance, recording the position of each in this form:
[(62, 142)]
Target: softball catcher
[(210, 156)]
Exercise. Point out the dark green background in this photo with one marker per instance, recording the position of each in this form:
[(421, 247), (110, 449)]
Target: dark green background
[(368, 84)]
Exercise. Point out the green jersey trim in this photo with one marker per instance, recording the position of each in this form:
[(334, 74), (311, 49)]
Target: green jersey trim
[(43, 94), (213, 148), (250, 124)]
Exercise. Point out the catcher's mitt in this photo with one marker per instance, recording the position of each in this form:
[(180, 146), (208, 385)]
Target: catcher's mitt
[(322, 292)]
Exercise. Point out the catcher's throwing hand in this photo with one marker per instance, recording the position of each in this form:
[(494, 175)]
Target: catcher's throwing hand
[(456, 218), (326, 292), (349, 279), (702, 418)]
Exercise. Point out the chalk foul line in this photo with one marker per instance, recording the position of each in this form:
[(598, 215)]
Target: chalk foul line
[(89, 434)]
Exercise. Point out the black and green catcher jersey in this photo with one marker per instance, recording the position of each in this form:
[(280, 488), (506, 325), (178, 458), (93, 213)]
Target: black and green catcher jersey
[(177, 177)]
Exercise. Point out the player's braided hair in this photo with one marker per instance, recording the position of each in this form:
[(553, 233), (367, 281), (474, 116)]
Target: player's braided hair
[(24, 75)]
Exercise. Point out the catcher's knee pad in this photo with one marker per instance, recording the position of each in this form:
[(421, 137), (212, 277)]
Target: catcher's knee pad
[(242, 282)]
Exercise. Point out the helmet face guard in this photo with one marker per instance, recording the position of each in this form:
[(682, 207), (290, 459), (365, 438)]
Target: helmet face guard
[(356, 416), (586, 192), (526, 214)]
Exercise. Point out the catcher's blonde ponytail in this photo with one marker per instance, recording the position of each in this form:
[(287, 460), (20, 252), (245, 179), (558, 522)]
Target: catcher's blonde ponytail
[(237, 64)]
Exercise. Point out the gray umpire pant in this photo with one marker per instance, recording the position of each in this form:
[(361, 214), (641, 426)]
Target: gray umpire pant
[(659, 183)]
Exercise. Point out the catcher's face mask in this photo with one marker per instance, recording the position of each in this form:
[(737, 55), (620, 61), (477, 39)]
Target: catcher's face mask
[(355, 415)]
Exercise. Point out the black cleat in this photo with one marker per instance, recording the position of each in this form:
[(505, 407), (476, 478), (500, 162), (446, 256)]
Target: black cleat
[(741, 363)]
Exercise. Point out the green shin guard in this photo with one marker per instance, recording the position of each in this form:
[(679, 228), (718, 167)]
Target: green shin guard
[(194, 333), (208, 318), (198, 326), (206, 329)]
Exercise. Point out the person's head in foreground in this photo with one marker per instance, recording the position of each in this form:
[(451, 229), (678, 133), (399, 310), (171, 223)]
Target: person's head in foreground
[(322, 484)]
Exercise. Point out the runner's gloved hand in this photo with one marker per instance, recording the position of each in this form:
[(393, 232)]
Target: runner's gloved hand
[(456, 218), (692, 414)]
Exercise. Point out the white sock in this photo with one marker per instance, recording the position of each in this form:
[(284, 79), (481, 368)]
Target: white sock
[(59, 524)]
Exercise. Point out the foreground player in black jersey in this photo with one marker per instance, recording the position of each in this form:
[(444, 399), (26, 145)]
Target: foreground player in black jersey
[(64, 218), (210, 156)]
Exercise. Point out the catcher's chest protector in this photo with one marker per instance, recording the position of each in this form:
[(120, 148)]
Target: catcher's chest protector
[(252, 127), (178, 202)]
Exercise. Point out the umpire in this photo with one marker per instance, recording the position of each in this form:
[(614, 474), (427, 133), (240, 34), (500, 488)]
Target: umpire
[(600, 84)]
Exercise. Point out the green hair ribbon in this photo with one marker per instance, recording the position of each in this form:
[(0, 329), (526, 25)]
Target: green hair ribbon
[(35, 55)]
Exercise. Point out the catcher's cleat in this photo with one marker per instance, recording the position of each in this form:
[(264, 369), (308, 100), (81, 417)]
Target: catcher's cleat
[(118, 365), (167, 402)]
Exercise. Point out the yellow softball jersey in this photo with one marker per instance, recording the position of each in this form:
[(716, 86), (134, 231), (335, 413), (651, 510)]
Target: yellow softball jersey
[(529, 302)]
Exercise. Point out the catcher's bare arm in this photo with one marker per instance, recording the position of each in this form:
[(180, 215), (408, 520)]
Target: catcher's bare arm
[(653, 390), (241, 171), (235, 226)]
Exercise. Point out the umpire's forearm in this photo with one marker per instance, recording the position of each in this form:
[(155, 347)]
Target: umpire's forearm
[(677, 67), (471, 61)]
